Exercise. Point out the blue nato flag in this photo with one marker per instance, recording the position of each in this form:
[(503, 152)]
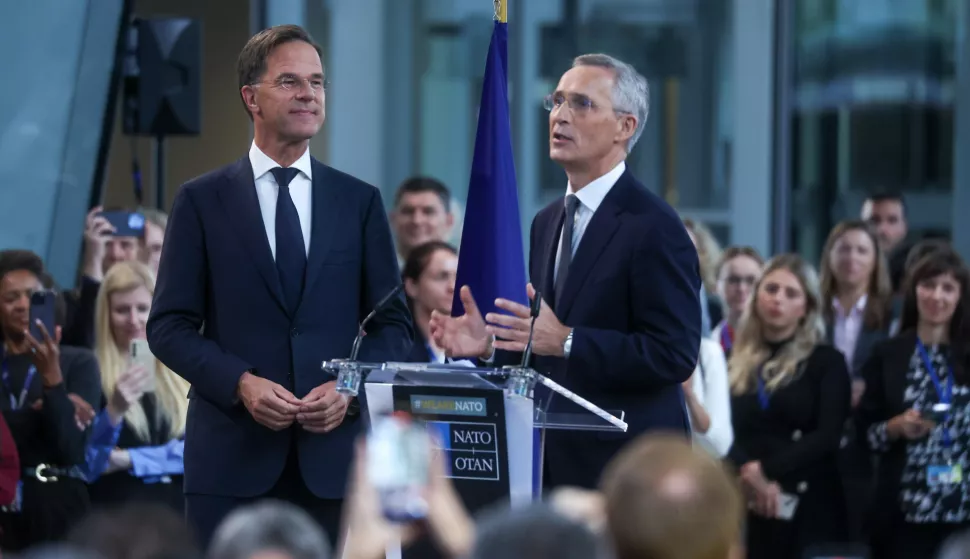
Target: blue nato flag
[(490, 258)]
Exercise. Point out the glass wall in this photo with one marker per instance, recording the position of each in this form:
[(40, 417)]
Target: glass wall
[(873, 93)]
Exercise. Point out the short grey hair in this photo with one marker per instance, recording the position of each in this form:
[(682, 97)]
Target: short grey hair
[(631, 92), (536, 531), (269, 525)]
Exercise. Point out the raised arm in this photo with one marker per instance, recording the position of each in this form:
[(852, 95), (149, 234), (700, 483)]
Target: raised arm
[(178, 310)]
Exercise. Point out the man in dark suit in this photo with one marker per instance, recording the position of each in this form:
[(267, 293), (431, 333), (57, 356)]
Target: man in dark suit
[(620, 319), (267, 268)]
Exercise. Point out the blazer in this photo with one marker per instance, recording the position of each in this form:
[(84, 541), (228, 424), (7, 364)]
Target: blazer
[(218, 312), (885, 376), (632, 299)]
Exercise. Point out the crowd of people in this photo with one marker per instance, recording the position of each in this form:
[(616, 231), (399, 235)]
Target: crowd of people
[(777, 409)]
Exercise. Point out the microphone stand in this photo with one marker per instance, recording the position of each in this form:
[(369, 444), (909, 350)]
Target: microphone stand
[(377, 308), (534, 312)]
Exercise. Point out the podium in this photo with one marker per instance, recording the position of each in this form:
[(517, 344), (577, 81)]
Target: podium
[(487, 420)]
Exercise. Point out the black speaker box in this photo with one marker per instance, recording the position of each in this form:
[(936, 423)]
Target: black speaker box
[(162, 85)]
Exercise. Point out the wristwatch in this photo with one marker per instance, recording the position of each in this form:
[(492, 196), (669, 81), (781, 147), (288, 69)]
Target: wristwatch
[(567, 345)]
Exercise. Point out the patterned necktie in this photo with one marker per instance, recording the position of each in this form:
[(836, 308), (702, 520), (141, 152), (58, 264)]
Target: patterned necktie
[(290, 248)]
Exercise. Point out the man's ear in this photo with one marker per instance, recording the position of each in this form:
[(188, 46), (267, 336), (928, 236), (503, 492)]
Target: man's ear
[(248, 94)]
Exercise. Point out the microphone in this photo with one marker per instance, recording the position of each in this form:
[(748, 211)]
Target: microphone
[(534, 312), (377, 308)]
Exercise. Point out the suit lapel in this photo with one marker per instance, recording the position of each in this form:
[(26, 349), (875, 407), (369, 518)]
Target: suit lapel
[(548, 253), (598, 234), (863, 346), (238, 196), (326, 216)]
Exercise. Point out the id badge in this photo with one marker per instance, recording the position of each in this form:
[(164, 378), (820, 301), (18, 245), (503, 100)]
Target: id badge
[(944, 474)]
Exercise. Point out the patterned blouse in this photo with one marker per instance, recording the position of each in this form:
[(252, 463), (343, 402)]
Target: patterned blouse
[(922, 503)]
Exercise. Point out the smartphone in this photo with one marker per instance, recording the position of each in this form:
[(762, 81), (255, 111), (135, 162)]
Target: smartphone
[(787, 504), (42, 308), (398, 460), (937, 413), (140, 354), (126, 224)]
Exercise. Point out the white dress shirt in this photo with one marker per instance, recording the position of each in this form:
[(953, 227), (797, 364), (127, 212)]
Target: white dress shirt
[(267, 191), (847, 327), (590, 197)]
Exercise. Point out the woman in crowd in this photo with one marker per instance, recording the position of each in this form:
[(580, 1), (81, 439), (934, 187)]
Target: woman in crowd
[(915, 413), (856, 304), (135, 452), (739, 269), (38, 377), (790, 402), (429, 281)]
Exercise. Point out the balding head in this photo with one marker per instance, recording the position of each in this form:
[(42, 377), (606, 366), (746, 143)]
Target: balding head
[(667, 500)]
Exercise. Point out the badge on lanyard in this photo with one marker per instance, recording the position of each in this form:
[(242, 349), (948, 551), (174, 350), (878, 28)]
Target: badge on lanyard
[(949, 473), (727, 338), (763, 398)]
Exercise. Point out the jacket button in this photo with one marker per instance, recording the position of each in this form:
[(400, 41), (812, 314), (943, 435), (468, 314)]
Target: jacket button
[(294, 332), (802, 487), (796, 436)]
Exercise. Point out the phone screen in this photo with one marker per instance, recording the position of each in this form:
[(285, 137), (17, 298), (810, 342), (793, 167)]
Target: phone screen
[(42, 308), (140, 354)]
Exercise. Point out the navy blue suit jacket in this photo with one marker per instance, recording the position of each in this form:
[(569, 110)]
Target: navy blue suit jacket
[(218, 311), (632, 298)]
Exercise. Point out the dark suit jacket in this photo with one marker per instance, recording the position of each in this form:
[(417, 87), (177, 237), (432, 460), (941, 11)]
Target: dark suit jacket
[(217, 270), (867, 339), (632, 298), (885, 376)]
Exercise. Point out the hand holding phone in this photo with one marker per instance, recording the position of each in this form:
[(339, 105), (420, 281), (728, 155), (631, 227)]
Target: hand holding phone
[(124, 223), (141, 355)]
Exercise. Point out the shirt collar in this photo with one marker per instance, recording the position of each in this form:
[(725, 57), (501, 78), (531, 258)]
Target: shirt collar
[(592, 194), (262, 163), (859, 306)]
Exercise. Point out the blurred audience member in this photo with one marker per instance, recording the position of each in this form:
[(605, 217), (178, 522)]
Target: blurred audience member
[(156, 221), (791, 401), (9, 465), (740, 267), (886, 214), (429, 281), (136, 531), (956, 547), (708, 255), (856, 305), (39, 377), (709, 399), (536, 531), (269, 529), (666, 500), (102, 250), (914, 255), (422, 213), (135, 451), (922, 493)]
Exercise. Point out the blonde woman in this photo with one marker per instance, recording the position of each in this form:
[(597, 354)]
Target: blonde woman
[(790, 400), (708, 256), (135, 451)]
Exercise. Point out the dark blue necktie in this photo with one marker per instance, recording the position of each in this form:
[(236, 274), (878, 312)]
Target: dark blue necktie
[(290, 250)]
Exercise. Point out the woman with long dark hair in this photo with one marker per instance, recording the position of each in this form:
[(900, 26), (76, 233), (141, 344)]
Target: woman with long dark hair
[(915, 413), (429, 274)]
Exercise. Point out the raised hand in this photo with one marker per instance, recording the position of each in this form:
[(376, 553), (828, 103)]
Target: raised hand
[(46, 355), (512, 330), (129, 388), (464, 336), (270, 404)]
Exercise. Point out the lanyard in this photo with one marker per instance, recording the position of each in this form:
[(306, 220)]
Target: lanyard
[(762, 390), (727, 337), (945, 395), (17, 403)]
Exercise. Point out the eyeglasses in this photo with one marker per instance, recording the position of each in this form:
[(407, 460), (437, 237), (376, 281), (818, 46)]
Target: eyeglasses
[(577, 103), (292, 83)]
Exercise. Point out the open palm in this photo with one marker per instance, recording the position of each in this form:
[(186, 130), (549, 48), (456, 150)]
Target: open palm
[(463, 336)]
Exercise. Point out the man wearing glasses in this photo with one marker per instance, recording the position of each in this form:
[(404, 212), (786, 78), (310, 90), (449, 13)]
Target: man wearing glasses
[(268, 266), (620, 322)]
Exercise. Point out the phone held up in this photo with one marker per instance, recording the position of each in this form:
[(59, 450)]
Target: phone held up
[(398, 459), (140, 354), (42, 304), (125, 223)]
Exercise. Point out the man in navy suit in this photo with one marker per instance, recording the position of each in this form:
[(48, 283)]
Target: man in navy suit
[(268, 266), (620, 318)]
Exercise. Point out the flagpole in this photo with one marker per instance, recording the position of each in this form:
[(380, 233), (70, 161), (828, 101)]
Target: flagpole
[(501, 11)]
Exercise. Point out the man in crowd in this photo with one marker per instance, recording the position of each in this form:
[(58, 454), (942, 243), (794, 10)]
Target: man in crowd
[(422, 213)]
